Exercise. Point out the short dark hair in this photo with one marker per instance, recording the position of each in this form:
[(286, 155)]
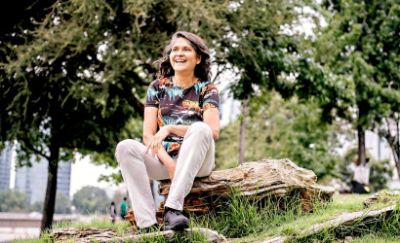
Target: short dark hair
[(201, 71)]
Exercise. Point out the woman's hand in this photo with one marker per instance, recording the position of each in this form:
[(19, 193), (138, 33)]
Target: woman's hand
[(156, 141)]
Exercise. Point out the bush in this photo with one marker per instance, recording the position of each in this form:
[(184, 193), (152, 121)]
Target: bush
[(380, 170), (13, 201)]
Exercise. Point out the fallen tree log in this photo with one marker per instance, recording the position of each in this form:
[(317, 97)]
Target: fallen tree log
[(264, 179), (255, 180), (341, 226), (87, 235)]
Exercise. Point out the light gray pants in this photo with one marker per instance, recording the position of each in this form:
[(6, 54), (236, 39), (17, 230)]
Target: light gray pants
[(196, 158)]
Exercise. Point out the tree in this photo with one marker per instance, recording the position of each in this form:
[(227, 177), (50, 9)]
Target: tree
[(381, 171), (91, 199), (13, 201), (390, 130), (258, 50), (281, 128), (54, 98), (360, 45), (77, 79), (269, 54), (63, 205)]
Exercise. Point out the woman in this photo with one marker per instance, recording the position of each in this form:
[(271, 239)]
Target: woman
[(113, 212), (181, 122)]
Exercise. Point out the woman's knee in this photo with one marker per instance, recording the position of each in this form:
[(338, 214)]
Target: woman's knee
[(201, 129), (126, 147)]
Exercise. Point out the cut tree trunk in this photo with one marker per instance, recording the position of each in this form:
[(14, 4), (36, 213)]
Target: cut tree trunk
[(265, 179)]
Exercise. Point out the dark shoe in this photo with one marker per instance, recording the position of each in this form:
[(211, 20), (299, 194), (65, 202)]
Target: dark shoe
[(175, 220), (151, 229)]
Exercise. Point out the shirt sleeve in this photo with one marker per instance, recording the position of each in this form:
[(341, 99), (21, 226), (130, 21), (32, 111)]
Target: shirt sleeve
[(210, 97), (153, 94)]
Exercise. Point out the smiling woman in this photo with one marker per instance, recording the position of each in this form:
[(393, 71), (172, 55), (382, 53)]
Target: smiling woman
[(181, 122)]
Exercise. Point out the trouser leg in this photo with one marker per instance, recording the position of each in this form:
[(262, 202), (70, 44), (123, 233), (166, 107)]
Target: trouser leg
[(196, 158), (137, 167)]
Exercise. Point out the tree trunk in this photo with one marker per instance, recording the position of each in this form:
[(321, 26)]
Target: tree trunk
[(50, 197), (242, 134), (393, 141), (361, 145), (396, 150)]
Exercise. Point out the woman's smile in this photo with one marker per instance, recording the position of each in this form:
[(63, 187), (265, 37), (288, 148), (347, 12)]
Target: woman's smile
[(183, 57)]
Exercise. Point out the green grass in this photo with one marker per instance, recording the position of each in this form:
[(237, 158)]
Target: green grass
[(375, 238), (293, 222), (242, 220)]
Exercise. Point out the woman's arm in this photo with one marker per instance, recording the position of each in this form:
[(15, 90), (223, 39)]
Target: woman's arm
[(210, 117), (153, 139), (149, 124)]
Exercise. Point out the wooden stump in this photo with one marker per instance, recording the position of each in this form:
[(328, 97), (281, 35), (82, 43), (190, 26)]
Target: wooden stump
[(256, 180)]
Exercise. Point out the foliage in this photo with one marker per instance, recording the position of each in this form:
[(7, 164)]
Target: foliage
[(13, 201), (91, 199), (239, 217), (290, 222), (77, 78), (386, 226), (63, 205), (359, 46), (381, 174), (283, 129), (380, 170)]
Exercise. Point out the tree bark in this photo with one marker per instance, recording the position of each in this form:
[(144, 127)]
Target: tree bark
[(393, 140), (361, 145), (242, 134), (254, 180), (396, 147), (50, 197)]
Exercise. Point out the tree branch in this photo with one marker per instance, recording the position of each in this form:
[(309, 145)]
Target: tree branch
[(28, 146)]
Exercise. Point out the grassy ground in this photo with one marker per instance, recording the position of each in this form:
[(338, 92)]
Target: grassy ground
[(242, 221), (293, 223)]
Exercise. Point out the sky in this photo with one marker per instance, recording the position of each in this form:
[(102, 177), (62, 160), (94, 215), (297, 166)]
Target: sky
[(85, 173)]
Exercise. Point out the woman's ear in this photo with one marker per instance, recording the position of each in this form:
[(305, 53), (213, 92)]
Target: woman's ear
[(198, 59)]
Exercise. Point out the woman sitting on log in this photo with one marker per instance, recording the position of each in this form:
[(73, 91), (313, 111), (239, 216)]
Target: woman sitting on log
[(181, 122)]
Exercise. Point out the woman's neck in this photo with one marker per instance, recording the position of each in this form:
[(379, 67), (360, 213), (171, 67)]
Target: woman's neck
[(184, 81)]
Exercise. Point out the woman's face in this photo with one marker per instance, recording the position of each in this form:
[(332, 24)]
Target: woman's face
[(183, 57)]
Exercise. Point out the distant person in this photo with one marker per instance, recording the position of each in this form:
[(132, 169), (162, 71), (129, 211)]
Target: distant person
[(181, 122), (360, 181), (123, 208), (113, 212)]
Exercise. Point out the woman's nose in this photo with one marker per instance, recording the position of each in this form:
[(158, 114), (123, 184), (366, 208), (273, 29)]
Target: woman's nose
[(179, 53)]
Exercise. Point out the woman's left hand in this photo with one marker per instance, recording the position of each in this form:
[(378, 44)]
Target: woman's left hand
[(156, 142)]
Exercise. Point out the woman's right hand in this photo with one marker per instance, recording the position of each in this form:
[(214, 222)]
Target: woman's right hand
[(155, 143)]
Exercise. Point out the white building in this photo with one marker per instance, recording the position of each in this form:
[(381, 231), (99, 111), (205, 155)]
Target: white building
[(33, 180), (5, 166)]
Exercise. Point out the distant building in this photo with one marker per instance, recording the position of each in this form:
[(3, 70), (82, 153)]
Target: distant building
[(5, 166), (33, 180)]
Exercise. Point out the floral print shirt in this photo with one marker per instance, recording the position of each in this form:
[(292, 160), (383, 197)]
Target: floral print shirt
[(179, 106)]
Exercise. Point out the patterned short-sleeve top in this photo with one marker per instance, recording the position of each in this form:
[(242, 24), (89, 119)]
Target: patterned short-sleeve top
[(179, 106)]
